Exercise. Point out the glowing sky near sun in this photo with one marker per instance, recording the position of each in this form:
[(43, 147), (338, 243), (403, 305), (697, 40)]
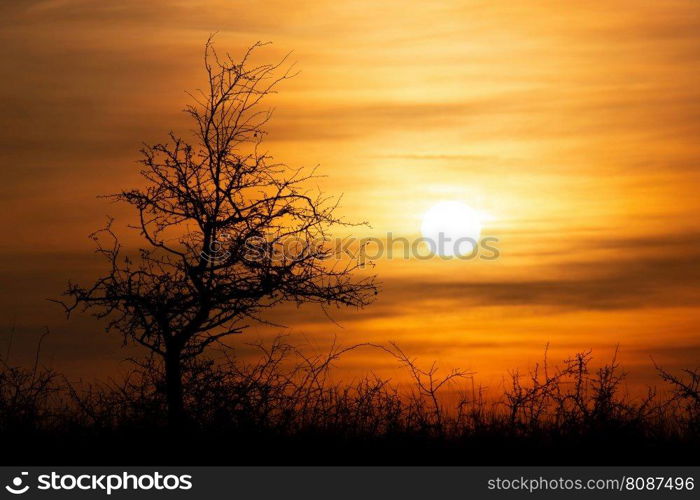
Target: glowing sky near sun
[(572, 125)]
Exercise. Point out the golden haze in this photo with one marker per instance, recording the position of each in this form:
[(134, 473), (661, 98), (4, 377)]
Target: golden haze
[(573, 125)]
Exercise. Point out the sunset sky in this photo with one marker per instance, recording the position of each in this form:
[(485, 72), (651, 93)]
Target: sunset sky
[(571, 126)]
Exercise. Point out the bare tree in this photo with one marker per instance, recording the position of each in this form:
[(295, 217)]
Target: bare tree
[(217, 215)]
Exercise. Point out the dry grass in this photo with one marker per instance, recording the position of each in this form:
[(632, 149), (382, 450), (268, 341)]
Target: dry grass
[(284, 408)]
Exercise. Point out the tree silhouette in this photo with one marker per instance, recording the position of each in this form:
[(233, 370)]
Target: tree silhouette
[(217, 216)]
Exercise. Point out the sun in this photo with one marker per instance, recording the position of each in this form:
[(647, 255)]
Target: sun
[(451, 228)]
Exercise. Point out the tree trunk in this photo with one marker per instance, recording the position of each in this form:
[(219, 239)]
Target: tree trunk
[(174, 393)]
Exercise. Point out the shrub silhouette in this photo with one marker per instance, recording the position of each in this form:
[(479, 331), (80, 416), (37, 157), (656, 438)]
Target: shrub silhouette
[(28, 397), (285, 407)]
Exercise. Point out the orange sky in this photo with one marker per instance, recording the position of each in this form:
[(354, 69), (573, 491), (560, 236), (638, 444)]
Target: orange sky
[(573, 125)]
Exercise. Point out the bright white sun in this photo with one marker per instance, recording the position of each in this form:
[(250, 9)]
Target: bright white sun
[(452, 227)]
